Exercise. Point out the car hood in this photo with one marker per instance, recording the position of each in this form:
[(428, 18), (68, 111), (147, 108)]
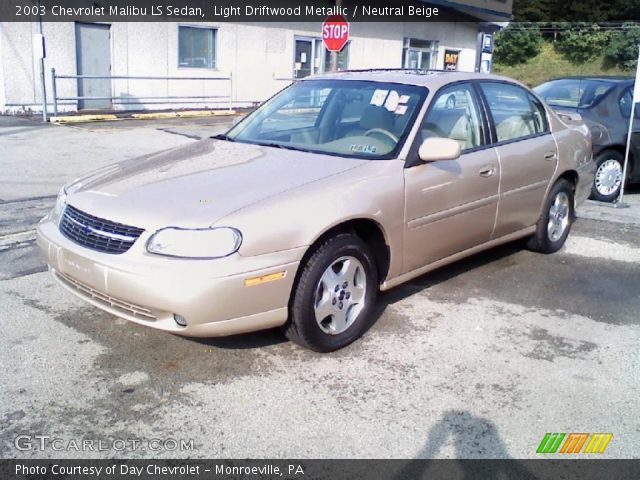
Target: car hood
[(196, 185)]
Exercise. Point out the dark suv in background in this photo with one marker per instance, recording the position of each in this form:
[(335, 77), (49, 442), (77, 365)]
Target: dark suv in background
[(605, 105)]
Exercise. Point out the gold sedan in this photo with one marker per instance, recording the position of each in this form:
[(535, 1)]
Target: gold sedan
[(340, 186)]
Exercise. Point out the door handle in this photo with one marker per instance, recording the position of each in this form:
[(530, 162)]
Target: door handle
[(550, 156), (487, 171)]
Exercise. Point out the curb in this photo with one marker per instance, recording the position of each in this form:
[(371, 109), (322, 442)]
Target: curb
[(61, 119)]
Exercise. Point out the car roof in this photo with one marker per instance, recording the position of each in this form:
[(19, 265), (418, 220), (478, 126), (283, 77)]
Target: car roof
[(599, 78), (432, 79)]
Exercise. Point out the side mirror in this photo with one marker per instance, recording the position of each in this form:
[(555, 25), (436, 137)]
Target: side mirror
[(436, 148)]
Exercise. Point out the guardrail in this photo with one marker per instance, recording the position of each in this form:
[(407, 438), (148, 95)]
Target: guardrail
[(167, 99)]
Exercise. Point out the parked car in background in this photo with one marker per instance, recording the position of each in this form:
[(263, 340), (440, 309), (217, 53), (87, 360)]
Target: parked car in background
[(605, 105), (338, 187)]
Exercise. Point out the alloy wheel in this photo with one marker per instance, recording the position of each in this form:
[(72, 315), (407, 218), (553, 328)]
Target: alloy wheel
[(558, 216), (340, 295)]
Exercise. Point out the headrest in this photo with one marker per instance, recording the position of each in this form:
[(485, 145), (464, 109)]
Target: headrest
[(376, 117)]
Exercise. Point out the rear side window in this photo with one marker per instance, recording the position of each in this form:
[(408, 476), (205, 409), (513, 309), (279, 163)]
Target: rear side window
[(625, 103), (516, 113), (539, 115)]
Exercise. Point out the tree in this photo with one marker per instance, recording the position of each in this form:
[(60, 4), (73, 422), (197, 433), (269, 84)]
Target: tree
[(517, 43), (622, 49), (532, 11), (581, 42), (591, 11)]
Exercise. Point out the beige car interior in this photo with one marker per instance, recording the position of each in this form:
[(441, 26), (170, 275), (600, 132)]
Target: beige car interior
[(450, 123), (514, 126)]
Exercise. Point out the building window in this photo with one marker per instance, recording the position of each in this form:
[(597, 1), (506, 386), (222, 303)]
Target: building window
[(419, 54), (306, 60), (343, 58), (196, 47)]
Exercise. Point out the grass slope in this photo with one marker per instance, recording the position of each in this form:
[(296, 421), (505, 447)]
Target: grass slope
[(550, 64)]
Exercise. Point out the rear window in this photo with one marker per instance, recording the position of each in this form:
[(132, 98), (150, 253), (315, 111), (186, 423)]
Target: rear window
[(574, 92)]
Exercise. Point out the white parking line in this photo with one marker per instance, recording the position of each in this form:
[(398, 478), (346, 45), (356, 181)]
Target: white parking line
[(19, 237), (594, 248)]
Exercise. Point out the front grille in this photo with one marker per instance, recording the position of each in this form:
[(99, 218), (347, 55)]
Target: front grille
[(85, 290), (97, 233)]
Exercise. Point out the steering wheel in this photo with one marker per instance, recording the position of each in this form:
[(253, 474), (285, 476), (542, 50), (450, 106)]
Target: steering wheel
[(383, 132)]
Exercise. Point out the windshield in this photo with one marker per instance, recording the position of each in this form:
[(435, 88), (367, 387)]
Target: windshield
[(342, 117), (573, 92)]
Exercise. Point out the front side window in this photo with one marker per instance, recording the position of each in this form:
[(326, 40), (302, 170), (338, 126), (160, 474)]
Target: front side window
[(196, 47), (454, 114), (352, 118), (513, 110)]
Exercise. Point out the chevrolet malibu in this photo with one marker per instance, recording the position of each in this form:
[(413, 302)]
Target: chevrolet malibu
[(340, 186)]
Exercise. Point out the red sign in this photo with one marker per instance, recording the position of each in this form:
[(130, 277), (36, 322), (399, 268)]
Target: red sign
[(335, 32)]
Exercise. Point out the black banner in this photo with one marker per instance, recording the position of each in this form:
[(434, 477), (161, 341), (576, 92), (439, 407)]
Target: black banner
[(241, 11), (320, 469), (544, 11)]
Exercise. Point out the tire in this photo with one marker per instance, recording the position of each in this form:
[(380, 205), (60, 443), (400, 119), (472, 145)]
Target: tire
[(320, 291), (608, 178), (556, 219)]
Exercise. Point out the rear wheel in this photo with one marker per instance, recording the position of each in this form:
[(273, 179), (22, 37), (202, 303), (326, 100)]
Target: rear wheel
[(555, 221), (334, 296), (608, 178)]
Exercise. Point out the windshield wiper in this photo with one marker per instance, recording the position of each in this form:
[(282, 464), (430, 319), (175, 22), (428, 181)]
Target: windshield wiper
[(286, 147), (223, 136)]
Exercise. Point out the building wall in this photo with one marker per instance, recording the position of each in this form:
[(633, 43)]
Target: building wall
[(259, 56)]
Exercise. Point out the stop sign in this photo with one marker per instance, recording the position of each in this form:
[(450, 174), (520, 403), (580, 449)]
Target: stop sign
[(335, 32)]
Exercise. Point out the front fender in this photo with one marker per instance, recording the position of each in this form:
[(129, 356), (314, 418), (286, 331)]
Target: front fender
[(297, 218)]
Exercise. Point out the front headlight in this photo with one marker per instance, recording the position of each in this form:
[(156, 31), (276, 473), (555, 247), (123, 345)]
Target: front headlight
[(60, 202), (58, 208), (195, 243)]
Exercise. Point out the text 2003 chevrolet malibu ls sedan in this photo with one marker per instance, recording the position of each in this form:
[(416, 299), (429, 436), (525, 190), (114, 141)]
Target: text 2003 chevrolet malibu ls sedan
[(338, 187)]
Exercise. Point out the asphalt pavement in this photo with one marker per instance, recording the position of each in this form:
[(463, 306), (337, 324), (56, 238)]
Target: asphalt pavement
[(476, 360)]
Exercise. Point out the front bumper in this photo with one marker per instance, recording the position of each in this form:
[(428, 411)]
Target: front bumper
[(149, 289)]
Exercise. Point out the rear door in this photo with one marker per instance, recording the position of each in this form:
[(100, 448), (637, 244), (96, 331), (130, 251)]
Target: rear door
[(527, 153)]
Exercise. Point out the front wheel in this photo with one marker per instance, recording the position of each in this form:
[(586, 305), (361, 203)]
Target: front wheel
[(608, 178), (555, 221), (334, 296)]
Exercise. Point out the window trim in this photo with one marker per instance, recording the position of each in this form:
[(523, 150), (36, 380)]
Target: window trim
[(492, 122), (215, 47)]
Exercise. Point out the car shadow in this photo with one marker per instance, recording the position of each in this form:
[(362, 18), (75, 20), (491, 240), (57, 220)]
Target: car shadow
[(244, 341), (473, 438), (272, 337), (441, 275)]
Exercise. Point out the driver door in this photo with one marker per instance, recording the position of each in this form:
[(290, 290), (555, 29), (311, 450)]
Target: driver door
[(451, 205)]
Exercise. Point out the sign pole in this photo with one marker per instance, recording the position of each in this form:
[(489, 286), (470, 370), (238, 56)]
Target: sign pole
[(636, 98), (42, 52), (335, 35), (333, 56)]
